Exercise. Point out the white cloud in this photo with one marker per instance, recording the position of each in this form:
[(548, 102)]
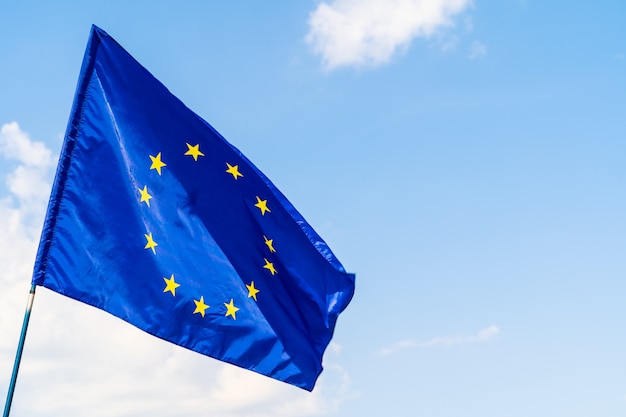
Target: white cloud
[(21, 212), (82, 361), (16, 144), (445, 341), (29, 182), (369, 32)]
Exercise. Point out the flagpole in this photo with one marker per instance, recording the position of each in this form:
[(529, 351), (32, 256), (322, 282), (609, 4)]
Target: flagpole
[(20, 348)]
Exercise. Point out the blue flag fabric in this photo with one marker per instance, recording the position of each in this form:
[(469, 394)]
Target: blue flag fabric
[(155, 218)]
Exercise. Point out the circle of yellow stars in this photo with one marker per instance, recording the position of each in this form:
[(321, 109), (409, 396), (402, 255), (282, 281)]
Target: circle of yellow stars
[(171, 285)]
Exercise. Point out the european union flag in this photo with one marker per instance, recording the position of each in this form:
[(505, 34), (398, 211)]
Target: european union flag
[(155, 218)]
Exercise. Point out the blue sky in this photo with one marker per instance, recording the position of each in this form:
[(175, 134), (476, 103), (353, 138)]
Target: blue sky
[(466, 160)]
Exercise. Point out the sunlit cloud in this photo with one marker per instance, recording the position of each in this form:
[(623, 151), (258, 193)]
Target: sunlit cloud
[(444, 341), (15, 144), (370, 32)]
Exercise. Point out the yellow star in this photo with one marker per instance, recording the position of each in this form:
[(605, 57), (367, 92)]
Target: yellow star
[(252, 292), (145, 197), (171, 285), (269, 266), (151, 243), (200, 306), (262, 205), (234, 170), (270, 244), (157, 163), (194, 151), (231, 309)]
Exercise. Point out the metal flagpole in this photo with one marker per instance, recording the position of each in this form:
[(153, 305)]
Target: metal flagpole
[(20, 348)]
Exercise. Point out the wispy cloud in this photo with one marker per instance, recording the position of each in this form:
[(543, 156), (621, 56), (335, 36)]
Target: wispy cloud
[(477, 50), (445, 341), (369, 32)]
